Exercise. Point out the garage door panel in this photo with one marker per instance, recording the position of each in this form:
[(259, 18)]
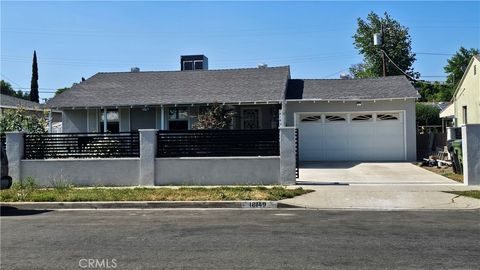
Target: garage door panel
[(364, 140)]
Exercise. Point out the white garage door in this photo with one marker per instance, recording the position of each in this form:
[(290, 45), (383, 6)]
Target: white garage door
[(355, 136)]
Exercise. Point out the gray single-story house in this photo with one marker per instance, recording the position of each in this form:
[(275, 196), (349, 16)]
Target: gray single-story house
[(337, 119)]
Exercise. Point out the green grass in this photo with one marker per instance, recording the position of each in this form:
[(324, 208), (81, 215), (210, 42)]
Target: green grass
[(30, 193), (469, 193)]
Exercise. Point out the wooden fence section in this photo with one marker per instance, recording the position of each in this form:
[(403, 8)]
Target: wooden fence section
[(428, 143), (81, 145), (218, 143)]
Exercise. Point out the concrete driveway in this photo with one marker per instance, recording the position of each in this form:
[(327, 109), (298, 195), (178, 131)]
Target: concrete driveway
[(398, 173)]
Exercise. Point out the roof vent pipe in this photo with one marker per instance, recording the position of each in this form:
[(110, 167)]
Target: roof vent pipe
[(135, 69)]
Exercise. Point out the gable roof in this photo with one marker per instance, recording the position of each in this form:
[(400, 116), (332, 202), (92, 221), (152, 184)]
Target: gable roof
[(459, 85), (391, 87), (176, 87), (7, 101)]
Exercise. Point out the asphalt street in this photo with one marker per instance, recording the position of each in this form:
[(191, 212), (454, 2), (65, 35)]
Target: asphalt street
[(239, 239)]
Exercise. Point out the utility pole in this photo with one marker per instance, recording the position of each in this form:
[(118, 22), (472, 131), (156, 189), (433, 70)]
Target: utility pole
[(384, 66)]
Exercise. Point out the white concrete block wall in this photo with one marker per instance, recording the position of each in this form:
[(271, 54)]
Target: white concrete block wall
[(147, 170)]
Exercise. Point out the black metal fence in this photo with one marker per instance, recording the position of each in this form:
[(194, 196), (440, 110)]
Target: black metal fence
[(82, 145), (218, 143)]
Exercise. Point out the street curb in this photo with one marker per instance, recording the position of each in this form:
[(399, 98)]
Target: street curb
[(148, 205)]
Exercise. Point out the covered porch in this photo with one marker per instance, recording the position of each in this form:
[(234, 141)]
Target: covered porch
[(165, 117)]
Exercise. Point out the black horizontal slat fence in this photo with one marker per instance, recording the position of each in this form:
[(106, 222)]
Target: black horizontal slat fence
[(218, 143), (82, 145)]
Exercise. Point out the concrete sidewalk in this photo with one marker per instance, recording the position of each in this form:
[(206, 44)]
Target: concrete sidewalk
[(385, 197)]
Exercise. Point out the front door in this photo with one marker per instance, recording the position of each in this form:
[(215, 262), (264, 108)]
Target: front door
[(250, 118)]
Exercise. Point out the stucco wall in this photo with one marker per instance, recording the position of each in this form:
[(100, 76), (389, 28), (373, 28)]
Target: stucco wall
[(83, 172), (217, 170), (383, 105), (468, 94), (74, 120), (471, 154)]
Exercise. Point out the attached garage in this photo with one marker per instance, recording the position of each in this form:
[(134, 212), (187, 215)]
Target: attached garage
[(356, 136), (353, 119)]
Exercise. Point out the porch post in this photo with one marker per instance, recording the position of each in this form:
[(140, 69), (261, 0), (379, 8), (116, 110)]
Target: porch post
[(15, 151), (162, 118), (105, 120), (148, 150), (283, 115), (50, 128)]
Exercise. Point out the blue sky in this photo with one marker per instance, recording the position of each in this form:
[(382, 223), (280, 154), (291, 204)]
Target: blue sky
[(78, 39)]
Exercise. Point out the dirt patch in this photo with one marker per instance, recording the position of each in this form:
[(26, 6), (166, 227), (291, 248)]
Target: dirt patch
[(446, 172)]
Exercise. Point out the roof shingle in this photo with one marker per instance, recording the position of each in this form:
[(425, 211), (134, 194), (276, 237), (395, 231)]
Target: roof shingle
[(390, 87), (14, 102), (176, 87)]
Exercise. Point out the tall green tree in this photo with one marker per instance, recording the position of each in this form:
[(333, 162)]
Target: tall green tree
[(7, 89), (61, 90), (434, 91), (457, 65), (396, 43), (34, 84), (427, 114)]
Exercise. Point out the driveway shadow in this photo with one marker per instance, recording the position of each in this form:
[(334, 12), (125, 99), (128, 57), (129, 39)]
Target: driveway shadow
[(10, 211), (319, 183), (328, 165)]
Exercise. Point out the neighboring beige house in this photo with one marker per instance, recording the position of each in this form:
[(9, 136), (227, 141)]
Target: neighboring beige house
[(466, 98)]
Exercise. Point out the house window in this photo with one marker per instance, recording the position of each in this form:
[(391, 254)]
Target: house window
[(178, 118), (474, 69), (312, 118), (361, 117), (388, 116), (113, 121), (198, 65), (250, 118), (465, 118), (334, 118), (187, 65)]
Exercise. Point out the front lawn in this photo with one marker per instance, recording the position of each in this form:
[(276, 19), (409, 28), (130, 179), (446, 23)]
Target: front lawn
[(469, 193), (69, 194)]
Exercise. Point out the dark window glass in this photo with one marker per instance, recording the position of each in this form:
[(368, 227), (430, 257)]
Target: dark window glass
[(187, 65), (113, 121), (198, 65), (179, 113)]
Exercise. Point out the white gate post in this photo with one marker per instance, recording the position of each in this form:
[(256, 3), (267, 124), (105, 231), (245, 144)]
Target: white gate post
[(287, 156), (15, 151), (471, 154), (148, 150)]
